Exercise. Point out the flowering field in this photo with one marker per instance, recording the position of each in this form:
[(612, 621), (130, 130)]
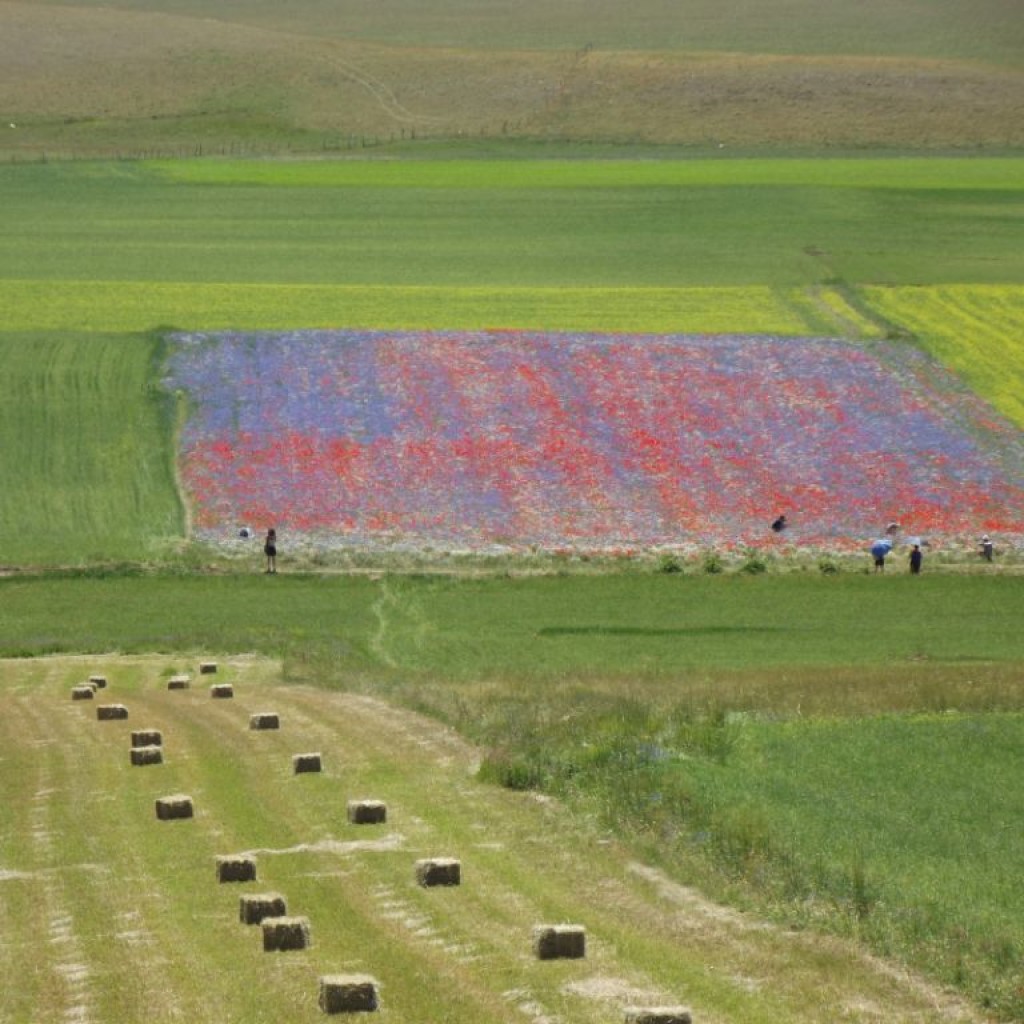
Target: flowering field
[(976, 330), (476, 439)]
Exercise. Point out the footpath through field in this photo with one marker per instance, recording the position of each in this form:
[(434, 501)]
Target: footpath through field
[(111, 915)]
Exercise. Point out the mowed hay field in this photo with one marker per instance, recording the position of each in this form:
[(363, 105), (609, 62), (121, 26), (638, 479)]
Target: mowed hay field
[(111, 914), (178, 78)]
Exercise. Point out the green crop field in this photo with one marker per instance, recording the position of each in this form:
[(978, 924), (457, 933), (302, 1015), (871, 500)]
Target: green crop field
[(834, 753)]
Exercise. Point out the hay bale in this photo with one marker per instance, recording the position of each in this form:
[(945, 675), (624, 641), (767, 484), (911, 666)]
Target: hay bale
[(222, 691), (284, 933), (265, 720), (306, 763), (438, 871), (147, 755), (109, 712), (98, 682), (349, 993), (85, 692), (253, 908), (236, 868), (559, 941), (177, 806), (179, 683), (147, 738), (658, 1015), (207, 668), (367, 812)]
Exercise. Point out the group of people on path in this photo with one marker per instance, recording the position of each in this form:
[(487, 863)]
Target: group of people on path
[(882, 548)]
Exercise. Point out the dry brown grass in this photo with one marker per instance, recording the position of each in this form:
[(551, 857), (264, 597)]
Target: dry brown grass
[(100, 80)]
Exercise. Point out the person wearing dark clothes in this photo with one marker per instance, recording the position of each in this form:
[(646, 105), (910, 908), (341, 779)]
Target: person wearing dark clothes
[(986, 548), (916, 557), (270, 550), (780, 524)]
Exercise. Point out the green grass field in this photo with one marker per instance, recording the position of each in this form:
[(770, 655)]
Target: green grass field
[(838, 753), (86, 452), (756, 736)]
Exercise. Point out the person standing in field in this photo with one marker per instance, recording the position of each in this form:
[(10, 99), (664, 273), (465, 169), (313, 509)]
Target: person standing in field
[(916, 558), (986, 548), (270, 550)]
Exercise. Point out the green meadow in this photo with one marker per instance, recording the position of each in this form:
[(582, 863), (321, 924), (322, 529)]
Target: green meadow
[(826, 750), (836, 752)]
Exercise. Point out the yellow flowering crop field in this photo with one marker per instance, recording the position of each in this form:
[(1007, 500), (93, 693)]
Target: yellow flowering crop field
[(131, 306), (975, 330)]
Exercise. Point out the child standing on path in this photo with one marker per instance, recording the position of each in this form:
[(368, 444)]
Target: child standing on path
[(270, 550)]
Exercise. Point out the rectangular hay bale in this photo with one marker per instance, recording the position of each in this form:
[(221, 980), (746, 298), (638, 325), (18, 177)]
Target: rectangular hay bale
[(177, 806), (141, 756), (265, 720), (281, 934), (658, 1015), (85, 692), (236, 867), (98, 682), (253, 908), (147, 738), (222, 691), (559, 941), (179, 683), (349, 993), (438, 871), (367, 812), (306, 763), (207, 668), (110, 712)]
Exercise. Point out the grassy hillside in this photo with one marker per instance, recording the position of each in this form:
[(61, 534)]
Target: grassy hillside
[(253, 77), (937, 28)]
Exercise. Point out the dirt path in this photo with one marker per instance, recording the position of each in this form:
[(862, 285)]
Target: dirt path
[(121, 918)]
